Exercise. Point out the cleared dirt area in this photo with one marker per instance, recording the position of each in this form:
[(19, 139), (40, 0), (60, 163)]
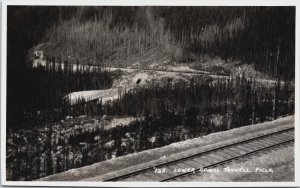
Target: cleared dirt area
[(105, 169)]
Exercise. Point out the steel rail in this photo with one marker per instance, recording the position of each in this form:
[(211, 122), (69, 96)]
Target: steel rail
[(124, 176)]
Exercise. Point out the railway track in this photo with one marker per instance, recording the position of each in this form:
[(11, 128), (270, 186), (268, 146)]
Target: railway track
[(195, 163)]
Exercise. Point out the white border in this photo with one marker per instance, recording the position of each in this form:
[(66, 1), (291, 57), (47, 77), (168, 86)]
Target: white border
[(297, 99), (145, 3), (153, 2)]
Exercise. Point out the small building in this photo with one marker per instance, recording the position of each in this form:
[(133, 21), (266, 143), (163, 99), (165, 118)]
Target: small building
[(38, 59), (39, 54)]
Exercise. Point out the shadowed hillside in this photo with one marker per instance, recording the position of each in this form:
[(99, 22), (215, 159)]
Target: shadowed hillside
[(263, 36)]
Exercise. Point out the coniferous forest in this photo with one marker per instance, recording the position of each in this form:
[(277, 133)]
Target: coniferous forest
[(48, 134)]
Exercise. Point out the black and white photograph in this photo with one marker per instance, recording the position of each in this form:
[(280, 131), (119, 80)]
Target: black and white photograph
[(148, 93)]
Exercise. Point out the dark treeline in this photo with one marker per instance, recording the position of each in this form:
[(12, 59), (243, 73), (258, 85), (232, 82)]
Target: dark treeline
[(205, 106), (46, 88), (26, 27)]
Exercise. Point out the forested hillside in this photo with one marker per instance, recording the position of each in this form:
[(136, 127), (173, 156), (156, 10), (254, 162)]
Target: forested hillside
[(263, 36)]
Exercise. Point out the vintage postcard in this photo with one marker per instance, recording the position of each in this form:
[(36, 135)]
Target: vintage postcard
[(179, 93)]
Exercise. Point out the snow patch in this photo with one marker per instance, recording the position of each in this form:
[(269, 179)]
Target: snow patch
[(106, 95)]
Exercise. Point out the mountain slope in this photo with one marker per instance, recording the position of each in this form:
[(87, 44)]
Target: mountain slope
[(262, 36)]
